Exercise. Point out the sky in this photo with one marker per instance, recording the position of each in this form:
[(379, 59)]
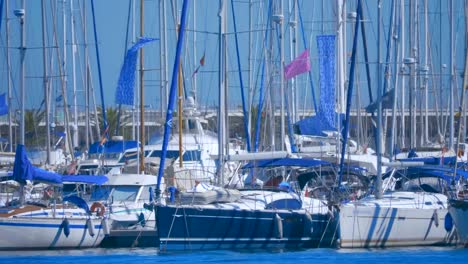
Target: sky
[(111, 25)]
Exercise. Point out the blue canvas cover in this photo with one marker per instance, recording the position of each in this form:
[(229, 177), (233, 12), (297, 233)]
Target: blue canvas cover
[(286, 162), (78, 201), (3, 105), (112, 146)]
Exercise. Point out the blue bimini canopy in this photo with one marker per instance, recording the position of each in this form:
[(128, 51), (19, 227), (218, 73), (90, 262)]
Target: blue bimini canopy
[(450, 160), (289, 162), (112, 146), (445, 173)]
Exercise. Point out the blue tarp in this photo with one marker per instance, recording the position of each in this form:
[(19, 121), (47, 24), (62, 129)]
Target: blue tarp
[(315, 125), (23, 170), (286, 162), (78, 201), (432, 160), (112, 146), (445, 173), (3, 105)]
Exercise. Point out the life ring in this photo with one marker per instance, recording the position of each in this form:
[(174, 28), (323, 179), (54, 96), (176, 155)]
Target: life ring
[(99, 208)]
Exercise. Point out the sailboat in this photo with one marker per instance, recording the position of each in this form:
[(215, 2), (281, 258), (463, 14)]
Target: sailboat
[(408, 206), (214, 217), (36, 225)]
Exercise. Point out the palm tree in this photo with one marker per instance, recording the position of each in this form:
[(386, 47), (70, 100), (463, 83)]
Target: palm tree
[(112, 119), (34, 133)]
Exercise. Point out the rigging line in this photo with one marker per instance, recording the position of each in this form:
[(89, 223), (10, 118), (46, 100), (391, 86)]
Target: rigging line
[(124, 55), (244, 108), (261, 99), (101, 88), (305, 47)]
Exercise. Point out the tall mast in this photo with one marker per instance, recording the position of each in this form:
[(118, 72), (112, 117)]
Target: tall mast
[(10, 130), (87, 77), (379, 140), (73, 52), (163, 57), (451, 106), (20, 13), (142, 93), (402, 83), (282, 124), (46, 83), (222, 95), (426, 71)]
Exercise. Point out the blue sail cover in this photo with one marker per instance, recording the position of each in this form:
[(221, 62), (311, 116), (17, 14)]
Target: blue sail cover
[(112, 146), (124, 93), (3, 105), (325, 118), (24, 171), (445, 173), (22, 168), (286, 162)]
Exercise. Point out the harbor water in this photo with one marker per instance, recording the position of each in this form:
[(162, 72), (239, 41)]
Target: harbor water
[(424, 255)]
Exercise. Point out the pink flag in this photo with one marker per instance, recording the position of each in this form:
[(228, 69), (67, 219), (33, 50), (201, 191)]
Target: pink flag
[(299, 65)]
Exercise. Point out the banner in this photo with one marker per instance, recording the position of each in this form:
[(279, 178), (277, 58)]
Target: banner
[(327, 73), (124, 93)]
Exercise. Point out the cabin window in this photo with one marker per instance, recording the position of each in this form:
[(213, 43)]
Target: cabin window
[(100, 193), (189, 155), (125, 193), (144, 196)]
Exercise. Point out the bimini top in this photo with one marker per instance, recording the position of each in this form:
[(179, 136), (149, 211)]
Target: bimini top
[(290, 162), (112, 146), (23, 170), (445, 173), (450, 160)]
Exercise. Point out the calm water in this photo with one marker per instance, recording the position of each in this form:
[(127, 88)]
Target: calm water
[(140, 256)]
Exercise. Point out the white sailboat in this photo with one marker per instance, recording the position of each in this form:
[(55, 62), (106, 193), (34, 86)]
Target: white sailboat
[(38, 226)]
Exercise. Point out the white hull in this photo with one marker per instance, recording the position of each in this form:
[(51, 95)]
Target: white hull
[(364, 225), (46, 233), (460, 219)]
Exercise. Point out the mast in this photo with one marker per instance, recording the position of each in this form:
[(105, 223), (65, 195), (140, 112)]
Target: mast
[(20, 13), (379, 140), (87, 77), (396, 34), (222, 84), (179, 111), (163, 57), (426, 71), (7, 36), (73, 52), (461, 109), (349, 96), (402, 83), (64, 91), (172, 95), (452, 44), (142, 92), (46, 82), (282, 121)]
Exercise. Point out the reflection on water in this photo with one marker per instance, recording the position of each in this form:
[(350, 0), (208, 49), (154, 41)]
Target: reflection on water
[(414, 255)]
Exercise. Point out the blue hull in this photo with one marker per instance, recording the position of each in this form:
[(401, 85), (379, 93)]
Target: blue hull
[(203, 229)]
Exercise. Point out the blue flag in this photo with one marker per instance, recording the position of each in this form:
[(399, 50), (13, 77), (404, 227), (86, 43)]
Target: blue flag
[(3, 105), (124, 93), (326, 55)]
